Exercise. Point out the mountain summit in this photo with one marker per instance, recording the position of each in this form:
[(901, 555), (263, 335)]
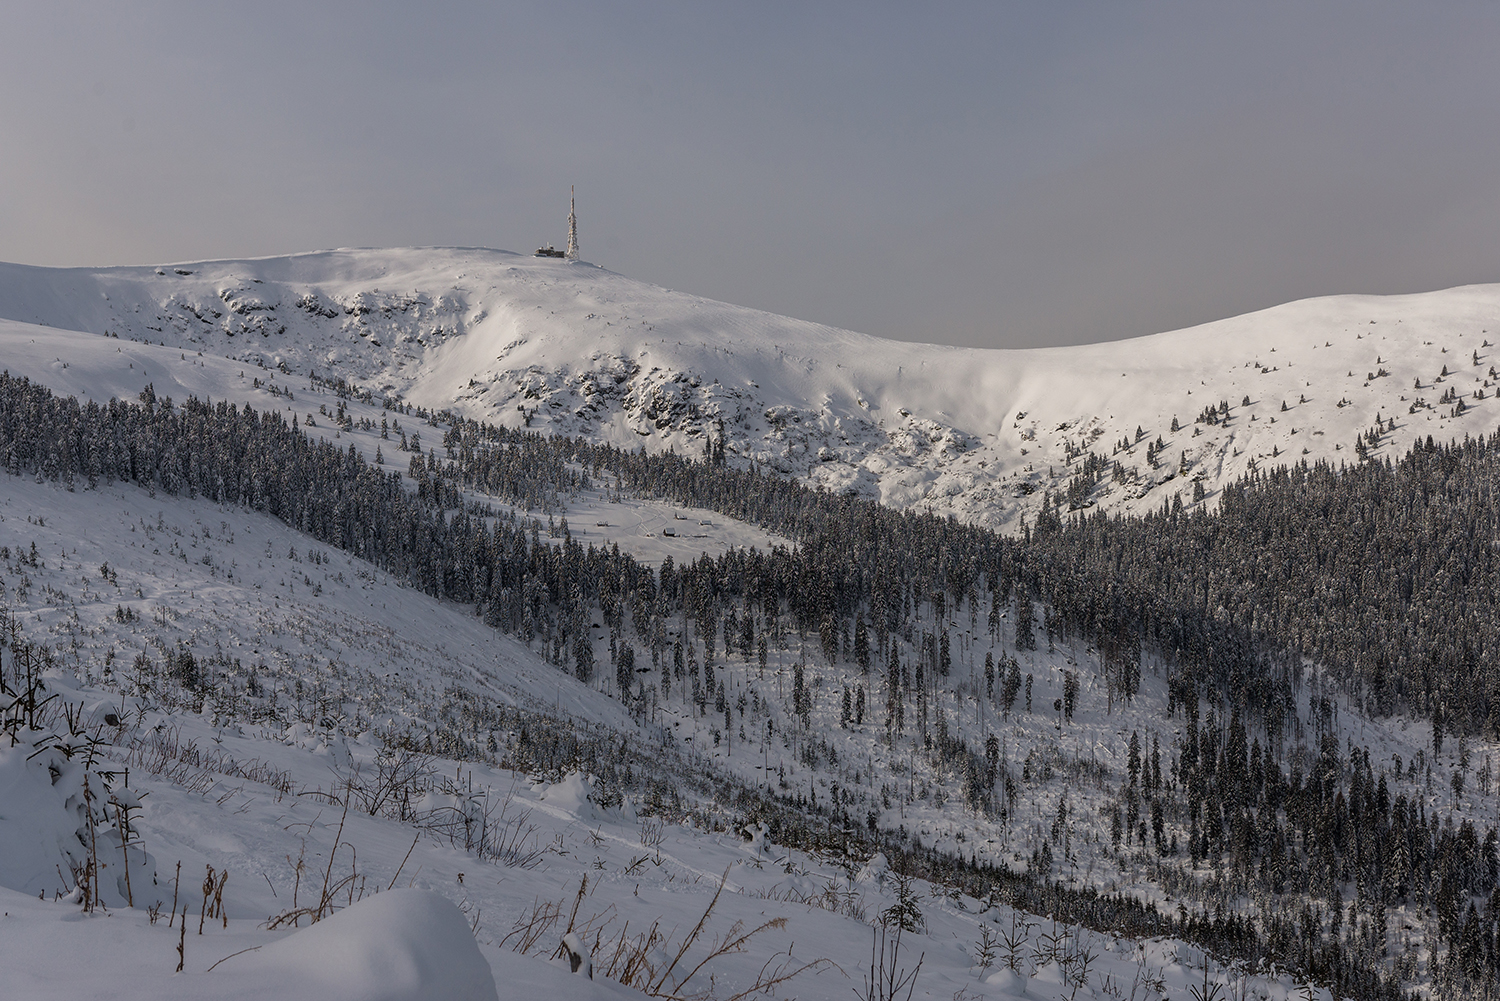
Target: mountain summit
[(571, 348)]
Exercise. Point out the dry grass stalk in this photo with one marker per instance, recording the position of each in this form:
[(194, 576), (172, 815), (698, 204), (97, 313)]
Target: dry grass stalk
[(631, 963), (643, 962), (165, 754), (533, 926), (846, 902), (352, 884)]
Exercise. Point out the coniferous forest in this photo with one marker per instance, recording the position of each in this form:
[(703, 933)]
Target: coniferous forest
[(1382, 573)]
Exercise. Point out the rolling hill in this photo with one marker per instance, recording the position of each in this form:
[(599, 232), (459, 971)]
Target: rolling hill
[(571, 348)]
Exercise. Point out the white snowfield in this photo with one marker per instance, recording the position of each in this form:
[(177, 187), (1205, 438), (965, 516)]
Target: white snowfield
[(576, 349), (572, 348)]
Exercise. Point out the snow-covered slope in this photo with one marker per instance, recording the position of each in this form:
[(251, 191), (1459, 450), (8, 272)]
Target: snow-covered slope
[(322, 663), (573, 348), (130, 590)]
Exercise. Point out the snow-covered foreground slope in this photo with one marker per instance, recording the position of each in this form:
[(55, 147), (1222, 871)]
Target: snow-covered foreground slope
[(241, 671), (572, 348), (125, 586), (355, 660)]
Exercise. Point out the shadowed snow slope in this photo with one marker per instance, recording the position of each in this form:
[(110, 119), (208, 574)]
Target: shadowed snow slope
[(402, 945), (572, 348)]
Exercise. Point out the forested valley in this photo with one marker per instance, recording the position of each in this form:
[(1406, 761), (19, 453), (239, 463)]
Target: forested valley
[(1373, 583)]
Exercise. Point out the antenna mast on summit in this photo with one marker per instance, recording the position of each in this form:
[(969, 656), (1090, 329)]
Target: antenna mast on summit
[(572, 254)]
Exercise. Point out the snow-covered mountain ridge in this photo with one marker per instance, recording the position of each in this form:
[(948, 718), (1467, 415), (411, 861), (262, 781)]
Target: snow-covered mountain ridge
[(181, 617), (572, 348)]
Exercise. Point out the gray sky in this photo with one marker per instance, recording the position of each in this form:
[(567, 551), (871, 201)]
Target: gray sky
[(999, 174)]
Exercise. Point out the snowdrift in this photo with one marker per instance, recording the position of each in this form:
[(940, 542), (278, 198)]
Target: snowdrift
[(402, 945), (60, 825)]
